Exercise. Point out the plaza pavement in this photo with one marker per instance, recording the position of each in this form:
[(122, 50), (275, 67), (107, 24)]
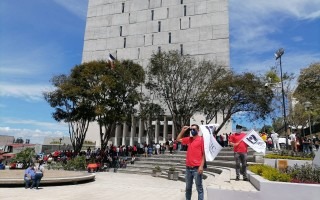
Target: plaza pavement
[(122, 186), (106, 186)]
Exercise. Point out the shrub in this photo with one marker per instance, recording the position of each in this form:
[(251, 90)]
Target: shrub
[(277, 156), (77, 163), (304, 174), (270, 173), (157, 168)]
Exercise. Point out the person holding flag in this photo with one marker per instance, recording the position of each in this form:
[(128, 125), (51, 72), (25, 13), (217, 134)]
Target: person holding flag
[(240, 149), (195, 159)]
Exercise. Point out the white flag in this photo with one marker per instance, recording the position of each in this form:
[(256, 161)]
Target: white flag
[(254, 140), (211, 146)]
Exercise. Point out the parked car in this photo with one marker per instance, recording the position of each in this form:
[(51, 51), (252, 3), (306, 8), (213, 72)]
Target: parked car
[(282, 142)]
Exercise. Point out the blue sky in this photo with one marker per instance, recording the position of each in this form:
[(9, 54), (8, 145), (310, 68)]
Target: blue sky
[(40, 39)]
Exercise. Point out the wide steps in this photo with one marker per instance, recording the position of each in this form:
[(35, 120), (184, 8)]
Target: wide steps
[(144, 165)]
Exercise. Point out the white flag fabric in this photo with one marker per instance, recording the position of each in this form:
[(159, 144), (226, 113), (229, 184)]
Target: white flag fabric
[(211, 146), (254, 140)]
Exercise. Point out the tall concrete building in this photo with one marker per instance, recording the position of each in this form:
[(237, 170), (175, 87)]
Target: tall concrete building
[(135, 29)]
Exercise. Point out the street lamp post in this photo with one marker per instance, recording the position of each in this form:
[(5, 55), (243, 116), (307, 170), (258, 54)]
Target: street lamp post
[(307, 106), (60, 143), (278, 55)]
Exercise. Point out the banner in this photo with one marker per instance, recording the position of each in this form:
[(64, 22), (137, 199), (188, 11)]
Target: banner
[(254, 140), (211, 146)]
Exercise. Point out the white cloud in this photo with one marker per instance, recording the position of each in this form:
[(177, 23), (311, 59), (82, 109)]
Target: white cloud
[(252, 22), (291, 62), (29, 92), (297, 39), (44, 125), (76, 7), (36, 136)]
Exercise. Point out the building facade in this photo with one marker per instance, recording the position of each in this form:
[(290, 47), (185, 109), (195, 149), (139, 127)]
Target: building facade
[(135, 29)]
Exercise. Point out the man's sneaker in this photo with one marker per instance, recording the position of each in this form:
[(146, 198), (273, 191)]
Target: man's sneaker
[(237, 178), (246, 179)]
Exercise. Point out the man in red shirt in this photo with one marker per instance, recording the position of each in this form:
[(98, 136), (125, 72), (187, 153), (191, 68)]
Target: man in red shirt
[(195, 159), (240, 149)]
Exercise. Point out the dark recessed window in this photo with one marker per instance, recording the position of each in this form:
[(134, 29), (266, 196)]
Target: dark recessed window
[(180, 24), (181, 1), (124, 42), (169, 38), (122, 7), (181, 49), (167, 12), (138, 53), (185, 10), (144, 40), (159, 26), (189, 22), (159, 49), (152, 39), (152, 14), (120, 30), (161, 3)]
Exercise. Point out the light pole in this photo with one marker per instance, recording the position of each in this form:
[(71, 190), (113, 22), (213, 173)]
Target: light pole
[(307, 106), (60, 143), (278, 55)]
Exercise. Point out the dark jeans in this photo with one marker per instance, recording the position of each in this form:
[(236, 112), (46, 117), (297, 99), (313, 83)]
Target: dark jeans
[(36, 181), (190, 174), (241, 158), (27, 182)]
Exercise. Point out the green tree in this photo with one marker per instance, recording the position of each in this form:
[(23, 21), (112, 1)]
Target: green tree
[(179, 80), (112, 92), (308, 88), (26, 156), (235, 93), (71, 106)]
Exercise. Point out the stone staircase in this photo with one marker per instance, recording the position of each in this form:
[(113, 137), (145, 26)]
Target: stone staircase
[(223, 163)]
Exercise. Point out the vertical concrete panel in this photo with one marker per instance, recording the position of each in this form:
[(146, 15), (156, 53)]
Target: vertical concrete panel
[(138, 5), (170, 2), (200, 8)]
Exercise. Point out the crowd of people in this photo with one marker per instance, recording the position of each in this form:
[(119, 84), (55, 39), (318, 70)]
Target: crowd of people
[(297, 142)]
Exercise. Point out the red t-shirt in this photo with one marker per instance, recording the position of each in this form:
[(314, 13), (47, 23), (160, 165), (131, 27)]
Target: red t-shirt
[(195, 150), (242, 147)]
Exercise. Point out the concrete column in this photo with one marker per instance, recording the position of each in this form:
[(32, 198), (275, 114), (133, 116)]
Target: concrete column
[(124, 133), (148, 131), (133, 129), (173, 132), (157, 130), (116, 137), (141, 130), (165, 129)]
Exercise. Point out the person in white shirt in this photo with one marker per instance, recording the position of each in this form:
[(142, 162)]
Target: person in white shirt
[(293, 137), (275, 139)]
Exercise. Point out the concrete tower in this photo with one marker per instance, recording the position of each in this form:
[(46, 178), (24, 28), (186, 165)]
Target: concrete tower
[(134, 29)]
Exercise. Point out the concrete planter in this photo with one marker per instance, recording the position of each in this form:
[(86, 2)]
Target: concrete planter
[(266, 190), (283, 190), (173, 175), (274, 162), (156, 173)]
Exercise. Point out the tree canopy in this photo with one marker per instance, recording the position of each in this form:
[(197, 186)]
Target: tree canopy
[(95, 91), (236, 93), (179, 81), (308, 88)]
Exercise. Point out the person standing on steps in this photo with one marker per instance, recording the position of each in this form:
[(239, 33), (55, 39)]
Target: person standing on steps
[(195, 159), (240, 149)]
